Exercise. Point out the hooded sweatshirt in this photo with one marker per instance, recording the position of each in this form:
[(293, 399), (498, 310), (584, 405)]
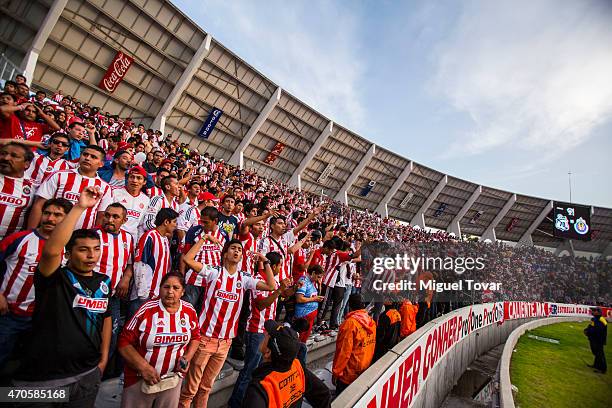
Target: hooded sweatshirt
[(354, 346), (408, 312)]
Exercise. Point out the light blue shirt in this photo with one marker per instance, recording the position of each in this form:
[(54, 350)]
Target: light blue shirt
[(307, 289)]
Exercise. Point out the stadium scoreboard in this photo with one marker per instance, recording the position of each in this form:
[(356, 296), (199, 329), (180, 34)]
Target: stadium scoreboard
[(571, 221)]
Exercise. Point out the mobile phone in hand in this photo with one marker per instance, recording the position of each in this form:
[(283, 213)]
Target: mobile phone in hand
[(183, 363)]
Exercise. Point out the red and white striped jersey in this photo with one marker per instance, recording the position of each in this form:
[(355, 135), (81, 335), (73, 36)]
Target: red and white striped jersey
[(240, 217), (151, 262), (58, 97), (42, 167), (209, 254), (159, 337), (68, 184), (19, 257), (291, 223), (222, 302), (249, 251), (330, 267), (136, 207), (103, 143), (16, 196), (269, 244), (156, 204), (257, 318), (154, 191), (115, 255)]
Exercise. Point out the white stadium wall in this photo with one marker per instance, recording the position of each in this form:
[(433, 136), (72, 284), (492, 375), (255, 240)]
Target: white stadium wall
[(422, 370)]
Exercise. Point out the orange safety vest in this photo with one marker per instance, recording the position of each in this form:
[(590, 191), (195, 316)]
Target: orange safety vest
[(408, 312), (394, 316), (284, 389)]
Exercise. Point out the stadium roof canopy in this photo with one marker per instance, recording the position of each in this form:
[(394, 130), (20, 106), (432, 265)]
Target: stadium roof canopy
[(180, 73)]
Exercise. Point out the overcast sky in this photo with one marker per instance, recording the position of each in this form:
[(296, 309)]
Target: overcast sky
[(508, 94)]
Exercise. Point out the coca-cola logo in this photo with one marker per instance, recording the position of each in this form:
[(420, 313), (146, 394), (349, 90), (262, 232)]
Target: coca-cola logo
[(115, 72)]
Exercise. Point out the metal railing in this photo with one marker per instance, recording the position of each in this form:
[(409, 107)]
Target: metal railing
[(8, 69)]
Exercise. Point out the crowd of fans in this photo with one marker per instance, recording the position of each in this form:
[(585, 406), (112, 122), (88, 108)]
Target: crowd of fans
[(126, 252)]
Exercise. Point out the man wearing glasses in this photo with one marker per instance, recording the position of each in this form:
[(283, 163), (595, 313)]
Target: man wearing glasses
[(50, 160)]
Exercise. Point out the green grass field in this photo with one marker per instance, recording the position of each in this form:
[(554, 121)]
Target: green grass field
[(556, 375)]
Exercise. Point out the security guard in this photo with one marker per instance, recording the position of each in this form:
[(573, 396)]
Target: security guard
[(281, 381), (387, 330), (597, 332)]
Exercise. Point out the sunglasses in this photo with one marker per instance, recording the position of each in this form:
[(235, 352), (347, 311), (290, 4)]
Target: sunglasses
[(59, 143)]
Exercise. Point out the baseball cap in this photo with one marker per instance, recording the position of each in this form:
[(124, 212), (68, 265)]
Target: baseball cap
[(138, 170), (284, 343), (206, 195), (123, 146), (166, 161)]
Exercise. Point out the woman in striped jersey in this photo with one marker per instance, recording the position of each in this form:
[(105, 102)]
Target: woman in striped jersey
[(160, 339)]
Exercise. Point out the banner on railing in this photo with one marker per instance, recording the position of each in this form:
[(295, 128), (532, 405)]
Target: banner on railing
[(399, 385), (115, 72)]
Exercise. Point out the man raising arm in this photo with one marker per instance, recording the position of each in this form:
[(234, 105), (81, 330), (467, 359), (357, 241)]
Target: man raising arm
[(71, 324)]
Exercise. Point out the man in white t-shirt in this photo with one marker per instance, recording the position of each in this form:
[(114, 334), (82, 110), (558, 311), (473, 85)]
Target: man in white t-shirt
[(134, 200), (69, 184)]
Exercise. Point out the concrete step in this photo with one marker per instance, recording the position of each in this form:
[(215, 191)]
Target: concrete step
[(319, 358), (478, 375)]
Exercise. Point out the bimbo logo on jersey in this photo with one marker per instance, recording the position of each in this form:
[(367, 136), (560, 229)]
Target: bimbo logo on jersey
[(115, 72), (71, 196), (227, 296), (12, 200), (133, 213), (170, 339), (96, 305)]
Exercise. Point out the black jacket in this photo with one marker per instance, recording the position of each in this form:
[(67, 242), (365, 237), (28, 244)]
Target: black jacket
[(387, 335), (317, 394), (597, 330)]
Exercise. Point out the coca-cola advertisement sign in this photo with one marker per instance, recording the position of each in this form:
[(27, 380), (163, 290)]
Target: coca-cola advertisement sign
[(115, 72)]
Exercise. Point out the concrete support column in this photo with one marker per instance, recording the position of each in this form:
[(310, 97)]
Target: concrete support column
[(526, 237), (565, 245), (490, 231), (160, 120), (342, 194), (382, 206), (419, 217), (237, 158), (28, 65), (607, 251), (296, 177), (455, 226)]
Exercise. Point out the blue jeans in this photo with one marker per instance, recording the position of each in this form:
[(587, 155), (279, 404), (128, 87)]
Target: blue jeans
[(133, 307), (11, 327), (193, 295), (114, 305), (344, 307), (252, 358), (302, 353)]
